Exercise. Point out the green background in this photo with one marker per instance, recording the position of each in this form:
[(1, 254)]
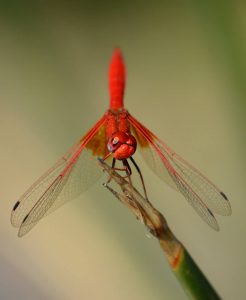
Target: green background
[(186, 81)]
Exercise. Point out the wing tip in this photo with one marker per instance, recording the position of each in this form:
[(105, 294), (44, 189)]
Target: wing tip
[(12, 217), (19, 235), (21, 232), (216, 227)]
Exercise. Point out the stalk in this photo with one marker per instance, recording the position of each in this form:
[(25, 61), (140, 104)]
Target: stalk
[(191, 278)]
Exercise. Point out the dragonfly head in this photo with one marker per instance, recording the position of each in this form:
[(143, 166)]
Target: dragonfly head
[(122, 145)]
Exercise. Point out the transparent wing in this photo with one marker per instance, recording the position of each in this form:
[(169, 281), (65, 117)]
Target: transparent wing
[(200, 192), (73, 174)]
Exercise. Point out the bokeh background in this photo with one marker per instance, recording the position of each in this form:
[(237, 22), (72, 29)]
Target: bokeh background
[(186, 82)]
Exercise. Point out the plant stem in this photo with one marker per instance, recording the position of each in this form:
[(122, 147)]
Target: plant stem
[(185, 269)]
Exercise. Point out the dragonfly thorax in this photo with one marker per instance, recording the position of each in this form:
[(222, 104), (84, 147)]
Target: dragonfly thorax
[(122, 145)]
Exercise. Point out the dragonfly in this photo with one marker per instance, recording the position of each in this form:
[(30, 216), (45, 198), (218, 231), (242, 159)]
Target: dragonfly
[(116, 136)]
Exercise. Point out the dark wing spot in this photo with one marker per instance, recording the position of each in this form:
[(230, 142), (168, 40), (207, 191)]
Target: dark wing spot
[(224, 196), (210, 212), (25, 218), (16, 205)]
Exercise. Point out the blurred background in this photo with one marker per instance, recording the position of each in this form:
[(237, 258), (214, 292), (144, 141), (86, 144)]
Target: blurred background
[(186, 82)]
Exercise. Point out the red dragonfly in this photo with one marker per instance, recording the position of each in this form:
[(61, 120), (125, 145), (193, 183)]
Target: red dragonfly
[(116, 135)]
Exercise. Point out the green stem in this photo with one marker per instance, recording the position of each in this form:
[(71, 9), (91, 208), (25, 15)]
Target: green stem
[(192, 279)]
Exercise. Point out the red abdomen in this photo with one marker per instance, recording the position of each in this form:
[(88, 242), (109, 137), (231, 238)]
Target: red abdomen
[(116, 80)]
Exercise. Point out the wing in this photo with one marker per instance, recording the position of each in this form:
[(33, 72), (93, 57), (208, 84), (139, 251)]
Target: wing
[(200, 192), (72, 174)]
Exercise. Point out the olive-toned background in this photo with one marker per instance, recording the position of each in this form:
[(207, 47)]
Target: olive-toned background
[(186, 82)]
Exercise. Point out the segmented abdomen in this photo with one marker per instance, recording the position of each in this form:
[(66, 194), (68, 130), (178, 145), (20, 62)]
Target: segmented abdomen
[(116, 80)]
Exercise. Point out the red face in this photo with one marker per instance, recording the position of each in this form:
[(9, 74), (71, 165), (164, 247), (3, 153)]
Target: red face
[(122, 145)]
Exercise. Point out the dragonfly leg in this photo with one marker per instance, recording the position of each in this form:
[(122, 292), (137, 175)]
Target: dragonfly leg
[(113, 167), (126, 169), (140, 175), (105, 157)]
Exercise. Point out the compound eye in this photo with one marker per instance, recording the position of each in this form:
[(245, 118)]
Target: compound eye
[(115, 140)]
